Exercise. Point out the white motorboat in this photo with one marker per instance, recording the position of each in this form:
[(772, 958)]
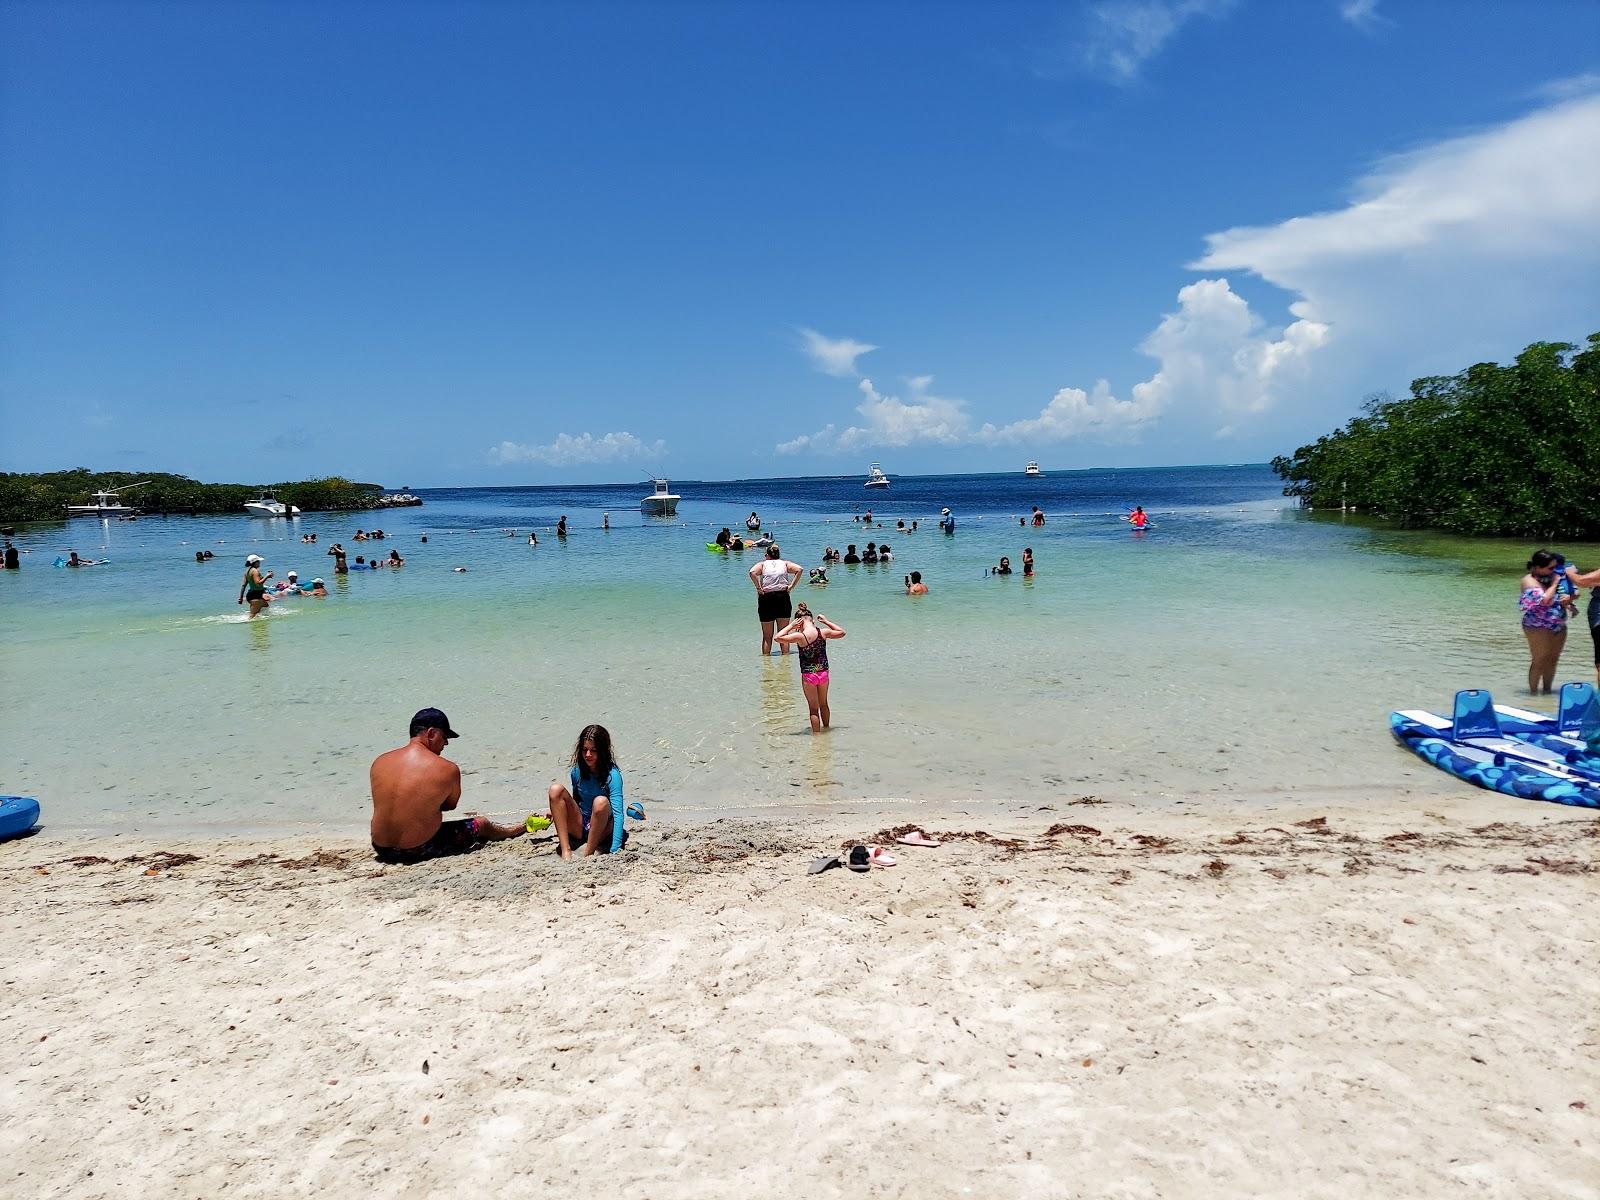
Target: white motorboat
[(106, 504), (1032, 470), (876, 478), (661, 502), (267, 505)]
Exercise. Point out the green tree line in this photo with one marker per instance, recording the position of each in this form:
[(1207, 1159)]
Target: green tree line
[(1511, 451), (45, 496)]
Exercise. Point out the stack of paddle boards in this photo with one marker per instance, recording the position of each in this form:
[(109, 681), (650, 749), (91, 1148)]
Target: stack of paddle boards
[(1512, 750)]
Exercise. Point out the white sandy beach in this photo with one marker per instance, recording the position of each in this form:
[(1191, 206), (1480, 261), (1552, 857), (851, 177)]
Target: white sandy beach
[(1399, 1000)]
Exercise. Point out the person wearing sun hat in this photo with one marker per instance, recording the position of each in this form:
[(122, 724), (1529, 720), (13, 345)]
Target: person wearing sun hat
[(318, 588), (254, 585), (411, 786)]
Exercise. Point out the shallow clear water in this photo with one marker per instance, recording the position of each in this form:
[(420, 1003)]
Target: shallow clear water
[(1240, 646)]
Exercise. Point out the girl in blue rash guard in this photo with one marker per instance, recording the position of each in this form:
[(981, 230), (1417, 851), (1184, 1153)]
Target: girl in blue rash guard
[(582, 824)]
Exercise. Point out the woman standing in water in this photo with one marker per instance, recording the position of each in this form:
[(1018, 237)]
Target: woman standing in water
[(1544, 620), (254, 586), (581, 823), (810, 633)]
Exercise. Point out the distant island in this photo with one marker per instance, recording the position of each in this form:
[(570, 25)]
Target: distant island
[(45, 496), (1494, 451)]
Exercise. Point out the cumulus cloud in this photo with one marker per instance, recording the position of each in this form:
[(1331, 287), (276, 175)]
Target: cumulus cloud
[(923, 418), (833, 356), (1459, 251), (1456, 252), (1125, 34), (1213, 355), (567, 451), (1530, 187), (1363, 14)]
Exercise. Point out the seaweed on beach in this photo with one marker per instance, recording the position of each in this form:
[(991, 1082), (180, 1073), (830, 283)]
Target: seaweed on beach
[(318, 858), (1075, 830), (161, 860)]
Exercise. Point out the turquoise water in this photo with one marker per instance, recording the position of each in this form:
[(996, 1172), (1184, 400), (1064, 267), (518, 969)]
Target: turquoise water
[(1240, 647)]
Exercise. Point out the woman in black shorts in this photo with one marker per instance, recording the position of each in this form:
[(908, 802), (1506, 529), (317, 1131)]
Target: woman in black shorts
[(773, 577)]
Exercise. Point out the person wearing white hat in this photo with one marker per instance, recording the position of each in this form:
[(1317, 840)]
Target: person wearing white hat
[(946, 521), (318, 588), (254, 586)]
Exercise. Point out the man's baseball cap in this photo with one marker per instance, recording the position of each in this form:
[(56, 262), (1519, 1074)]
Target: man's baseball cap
[(432, 718)]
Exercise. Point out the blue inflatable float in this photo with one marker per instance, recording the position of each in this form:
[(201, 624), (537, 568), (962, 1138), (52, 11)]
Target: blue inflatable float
[(1534, 762)]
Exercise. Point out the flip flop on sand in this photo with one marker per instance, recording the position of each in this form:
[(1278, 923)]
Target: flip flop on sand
[(860, 859), (916, 838), (826, 863), (879, 857)]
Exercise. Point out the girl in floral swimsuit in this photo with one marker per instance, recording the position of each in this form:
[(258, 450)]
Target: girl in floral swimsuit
[(1544, 620), (810, 633)]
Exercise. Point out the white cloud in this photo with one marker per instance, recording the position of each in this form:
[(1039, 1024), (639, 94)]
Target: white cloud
[(1214, 357), (890, 421), (833, 356), (1528, 187), (1125, 34), (1457, 252), (568, 451), (1454, 253), (1363, 14)]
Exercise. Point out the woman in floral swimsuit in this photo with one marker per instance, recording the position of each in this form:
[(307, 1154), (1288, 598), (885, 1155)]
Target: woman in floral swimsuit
[(810, 633), (1544, 620)]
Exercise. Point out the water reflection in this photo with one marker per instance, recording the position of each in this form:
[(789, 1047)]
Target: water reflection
[(260, 633)]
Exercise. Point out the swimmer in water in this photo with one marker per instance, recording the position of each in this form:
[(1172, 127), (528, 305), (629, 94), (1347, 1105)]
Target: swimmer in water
[(914, 584), (1004, 568), (1027, 562)]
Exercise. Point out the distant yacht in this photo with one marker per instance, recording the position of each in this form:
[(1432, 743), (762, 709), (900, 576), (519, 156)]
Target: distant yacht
[(267, 505), (106, 504), (661, 502), (876, 478), (1032, 469)]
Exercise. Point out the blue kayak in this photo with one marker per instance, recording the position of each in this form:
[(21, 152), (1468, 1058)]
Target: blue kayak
[(18, 814)]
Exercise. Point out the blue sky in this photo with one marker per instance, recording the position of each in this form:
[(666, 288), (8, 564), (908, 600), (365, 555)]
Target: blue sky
[(433, 244)]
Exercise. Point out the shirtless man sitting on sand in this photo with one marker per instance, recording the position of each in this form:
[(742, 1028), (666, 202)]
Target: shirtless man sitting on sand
[(411, 786)]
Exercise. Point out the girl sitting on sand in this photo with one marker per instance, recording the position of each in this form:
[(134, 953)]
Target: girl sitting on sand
[(581, 824)]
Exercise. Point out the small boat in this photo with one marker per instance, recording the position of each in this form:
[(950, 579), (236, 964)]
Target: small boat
[(267, 505), (106, 504), (661, 502), (876, 478), (1032, 470), (399, 500)]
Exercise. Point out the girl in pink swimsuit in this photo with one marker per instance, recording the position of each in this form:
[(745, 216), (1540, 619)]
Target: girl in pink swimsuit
[(810, 633)]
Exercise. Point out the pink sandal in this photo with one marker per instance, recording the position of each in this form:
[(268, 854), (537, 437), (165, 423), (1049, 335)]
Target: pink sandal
[(879, 857), (916, 838)]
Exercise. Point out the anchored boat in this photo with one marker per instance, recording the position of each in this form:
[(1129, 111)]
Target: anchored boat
[(106, 504), (661, 502)]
